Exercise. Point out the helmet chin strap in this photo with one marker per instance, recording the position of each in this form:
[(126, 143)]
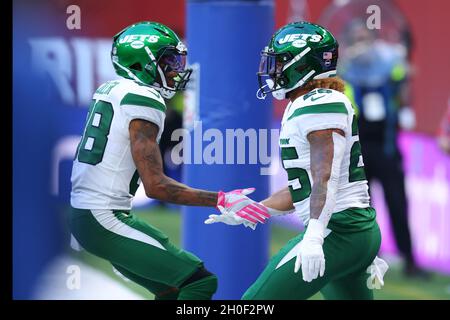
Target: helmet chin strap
[(277, 94), (281, 93), (168, 94)]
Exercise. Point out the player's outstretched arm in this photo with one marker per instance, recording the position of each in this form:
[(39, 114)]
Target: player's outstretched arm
[(147, 157), (280, 202), (327, 149)]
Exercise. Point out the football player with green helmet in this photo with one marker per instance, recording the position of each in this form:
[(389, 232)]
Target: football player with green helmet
[(152, 55), (119, 149), (327, 187)]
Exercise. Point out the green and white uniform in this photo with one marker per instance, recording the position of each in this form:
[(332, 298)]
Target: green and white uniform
[(353, 237), (104, 175), (318, 110), (104, 181)]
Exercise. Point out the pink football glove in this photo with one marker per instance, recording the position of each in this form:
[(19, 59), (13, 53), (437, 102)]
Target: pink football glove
[(236, 202)]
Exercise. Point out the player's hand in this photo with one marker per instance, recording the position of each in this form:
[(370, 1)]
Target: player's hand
[(237, 202), (377, 270), (236, 208), (229, 218), (310, 254)]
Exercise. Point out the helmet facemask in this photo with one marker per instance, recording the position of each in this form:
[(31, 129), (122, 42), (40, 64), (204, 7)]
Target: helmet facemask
[(169, 71), (270, 74), (274, 70)]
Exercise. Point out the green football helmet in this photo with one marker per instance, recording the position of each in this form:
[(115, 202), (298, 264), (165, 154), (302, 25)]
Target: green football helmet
[(151, 54), (296, 54)]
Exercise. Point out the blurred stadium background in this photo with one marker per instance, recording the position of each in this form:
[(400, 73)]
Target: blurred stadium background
[(55, 71)]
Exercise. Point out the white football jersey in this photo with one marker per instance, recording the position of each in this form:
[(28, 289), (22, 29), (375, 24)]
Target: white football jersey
[(318, 110), (104, 175)]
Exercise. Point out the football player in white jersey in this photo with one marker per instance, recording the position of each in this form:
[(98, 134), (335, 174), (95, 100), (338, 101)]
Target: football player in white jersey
[(327, 187), (119, 148)]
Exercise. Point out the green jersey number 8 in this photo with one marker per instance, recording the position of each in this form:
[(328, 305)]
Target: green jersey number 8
[(93, 143)]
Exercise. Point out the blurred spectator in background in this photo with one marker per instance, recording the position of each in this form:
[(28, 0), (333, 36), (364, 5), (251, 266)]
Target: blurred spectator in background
[(444, 131), (377, 74)]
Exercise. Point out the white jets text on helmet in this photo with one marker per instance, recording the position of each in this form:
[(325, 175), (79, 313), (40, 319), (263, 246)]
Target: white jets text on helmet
[(138, 37), (301, 36)]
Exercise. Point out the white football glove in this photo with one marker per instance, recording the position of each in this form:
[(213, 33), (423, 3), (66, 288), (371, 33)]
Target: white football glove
[(310, 253), (229, 218), (236, 208), (377, 270)]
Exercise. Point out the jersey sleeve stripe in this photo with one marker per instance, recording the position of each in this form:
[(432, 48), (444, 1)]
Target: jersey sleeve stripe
[(334, 107), (138, 100)]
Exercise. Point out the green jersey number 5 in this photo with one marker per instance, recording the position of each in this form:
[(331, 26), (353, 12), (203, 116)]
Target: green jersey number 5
[(93, 143), (300, 176), (296, 174)]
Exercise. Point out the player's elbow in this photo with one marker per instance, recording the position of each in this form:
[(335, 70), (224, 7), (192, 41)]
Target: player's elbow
[(155, 190), (152, 192), (149, 192)]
